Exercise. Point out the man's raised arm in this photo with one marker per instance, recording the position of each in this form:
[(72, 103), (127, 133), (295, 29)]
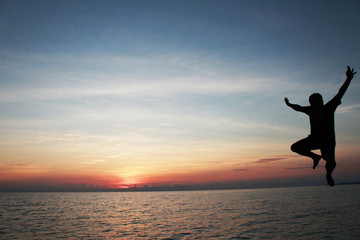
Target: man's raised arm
[(349, 76), (294, 106)]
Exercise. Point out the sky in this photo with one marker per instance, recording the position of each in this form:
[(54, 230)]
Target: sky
[(112, 95)]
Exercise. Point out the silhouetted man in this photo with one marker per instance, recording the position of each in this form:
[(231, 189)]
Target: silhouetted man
[(322, 129)]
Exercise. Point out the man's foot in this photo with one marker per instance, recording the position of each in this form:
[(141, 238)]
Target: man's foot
[(330, 180), (316, 161)]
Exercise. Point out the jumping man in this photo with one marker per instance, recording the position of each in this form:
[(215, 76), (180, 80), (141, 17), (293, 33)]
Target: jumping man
[(322, 128)]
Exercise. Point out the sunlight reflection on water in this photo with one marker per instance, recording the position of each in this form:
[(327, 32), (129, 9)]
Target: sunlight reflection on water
[(288, 213)]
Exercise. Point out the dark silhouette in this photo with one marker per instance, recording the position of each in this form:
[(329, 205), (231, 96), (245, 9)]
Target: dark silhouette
[(322, 129)]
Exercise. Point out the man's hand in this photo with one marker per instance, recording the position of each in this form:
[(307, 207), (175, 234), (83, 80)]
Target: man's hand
[(286, 101), (350, 73)]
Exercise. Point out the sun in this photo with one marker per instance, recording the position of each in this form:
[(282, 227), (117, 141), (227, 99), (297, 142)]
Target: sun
[(129, 182)]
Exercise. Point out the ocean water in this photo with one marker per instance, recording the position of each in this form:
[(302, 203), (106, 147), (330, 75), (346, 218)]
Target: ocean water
[(280, 213)]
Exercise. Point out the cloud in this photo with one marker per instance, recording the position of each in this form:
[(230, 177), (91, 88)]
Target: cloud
[(18, 165), (56, 137), (156, 88), (240, 170), (346, 109), (297, 168), (67, 77), (7, 168), (267, 160), (212, 162), (15, 171)]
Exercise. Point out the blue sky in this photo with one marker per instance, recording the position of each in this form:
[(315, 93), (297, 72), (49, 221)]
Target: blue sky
[(139, 88)]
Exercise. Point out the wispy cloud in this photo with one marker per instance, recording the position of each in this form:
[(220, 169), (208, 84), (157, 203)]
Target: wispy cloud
[(240, 170), (21, 168), (267, 160), (64, 77), (346, 109), (212, 162), (60, 137), (158, 88), (297, 168)]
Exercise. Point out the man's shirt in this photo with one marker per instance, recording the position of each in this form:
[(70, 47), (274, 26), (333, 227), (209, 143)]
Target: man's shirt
[(322, 123)]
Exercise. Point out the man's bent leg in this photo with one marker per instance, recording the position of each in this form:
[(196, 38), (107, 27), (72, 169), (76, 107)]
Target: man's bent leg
[(304, 147)]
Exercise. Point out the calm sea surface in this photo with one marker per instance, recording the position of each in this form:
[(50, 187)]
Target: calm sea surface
[(282, 213)]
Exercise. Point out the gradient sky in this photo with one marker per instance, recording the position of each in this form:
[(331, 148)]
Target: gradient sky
[(108, 94)]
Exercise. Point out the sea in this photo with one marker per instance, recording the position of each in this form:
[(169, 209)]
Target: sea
[(273, 213)]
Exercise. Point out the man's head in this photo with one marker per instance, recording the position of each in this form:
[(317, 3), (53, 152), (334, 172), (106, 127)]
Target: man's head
[(316, 100)]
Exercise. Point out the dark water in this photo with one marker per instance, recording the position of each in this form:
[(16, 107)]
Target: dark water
[(287, 213)]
